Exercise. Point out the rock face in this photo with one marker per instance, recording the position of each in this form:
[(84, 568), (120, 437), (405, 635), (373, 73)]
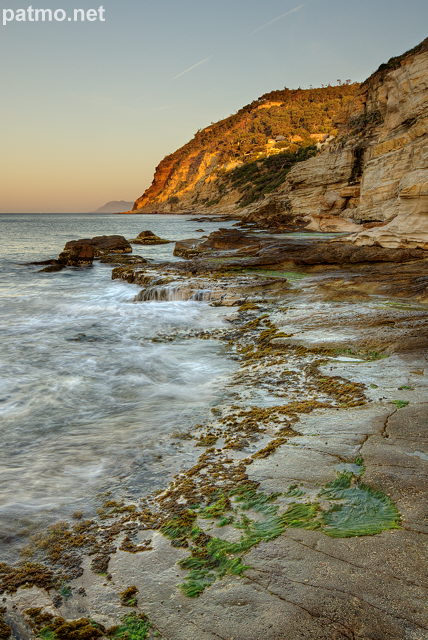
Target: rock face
[(409, 227), (369, 178), (193, 177), (148, 237), (377, 170)]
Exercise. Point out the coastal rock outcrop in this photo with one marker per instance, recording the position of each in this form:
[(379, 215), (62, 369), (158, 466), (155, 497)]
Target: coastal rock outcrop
[(367, 175), (409, 227), (82, 253), (196, 177), (148, 238), (376, 171), (229, 248), (101, 245)]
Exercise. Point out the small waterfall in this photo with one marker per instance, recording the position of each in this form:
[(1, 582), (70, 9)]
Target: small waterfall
[(172, 292)]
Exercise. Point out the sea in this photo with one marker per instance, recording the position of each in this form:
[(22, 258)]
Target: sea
[(89, 399)]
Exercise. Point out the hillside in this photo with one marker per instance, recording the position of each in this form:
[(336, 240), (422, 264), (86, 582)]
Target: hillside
[(347, 158), (275, 131), (373, 178)]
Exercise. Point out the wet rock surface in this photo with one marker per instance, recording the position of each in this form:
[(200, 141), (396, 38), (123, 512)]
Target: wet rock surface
[(233, 249), (122, 259), (82, 253), (302, 514), (102, 245)]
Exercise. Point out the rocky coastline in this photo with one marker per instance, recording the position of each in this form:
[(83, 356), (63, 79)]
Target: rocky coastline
[(301, 514)]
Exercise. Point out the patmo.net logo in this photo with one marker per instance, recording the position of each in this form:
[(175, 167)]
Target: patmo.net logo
[(31, 14)]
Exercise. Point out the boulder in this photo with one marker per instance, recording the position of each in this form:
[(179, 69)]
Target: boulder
[(188, 248), (221, 240), (100, 245), (77, 256), (148, 237), (227, 240)]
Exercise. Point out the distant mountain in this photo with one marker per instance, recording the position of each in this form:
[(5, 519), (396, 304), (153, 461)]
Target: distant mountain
[(115, 206)]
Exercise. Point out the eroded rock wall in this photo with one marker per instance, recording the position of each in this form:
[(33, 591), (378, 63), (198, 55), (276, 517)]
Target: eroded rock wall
[(376, 173)]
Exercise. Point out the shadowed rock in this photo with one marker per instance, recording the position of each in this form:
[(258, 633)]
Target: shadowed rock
[(82, 253), (148, 237), (230, 246), (101, 245), (122, 259)]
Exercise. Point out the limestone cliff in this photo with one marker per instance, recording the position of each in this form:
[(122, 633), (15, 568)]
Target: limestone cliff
[(351, 158), (375, 174), (201, 175)]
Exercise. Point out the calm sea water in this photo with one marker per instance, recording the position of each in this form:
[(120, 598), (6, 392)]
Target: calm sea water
[(88, 401)]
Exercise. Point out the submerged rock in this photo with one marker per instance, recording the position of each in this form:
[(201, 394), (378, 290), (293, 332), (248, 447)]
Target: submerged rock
[(148, 237)]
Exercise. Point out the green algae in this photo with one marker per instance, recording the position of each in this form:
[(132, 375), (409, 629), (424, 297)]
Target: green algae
[(60, 629), (208, 564), (359, 510), (46, 634), (346, 508), (66, 591), (178, 529), (294, 491), (216, 509), (48, 627), (133, 627), (364, 512), (128, 597), (400, 404), (249, 498)]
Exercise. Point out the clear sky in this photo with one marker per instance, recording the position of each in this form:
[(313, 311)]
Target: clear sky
[(88, 110)]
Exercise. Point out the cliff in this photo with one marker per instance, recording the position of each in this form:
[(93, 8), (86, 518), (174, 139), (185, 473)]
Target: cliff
[(350, 158), (373, 178), (204, 173)]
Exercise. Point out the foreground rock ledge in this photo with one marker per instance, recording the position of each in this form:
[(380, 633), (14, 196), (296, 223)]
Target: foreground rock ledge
[(347, 373)]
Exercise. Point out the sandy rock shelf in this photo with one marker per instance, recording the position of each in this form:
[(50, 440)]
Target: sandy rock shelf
[(323, 388)]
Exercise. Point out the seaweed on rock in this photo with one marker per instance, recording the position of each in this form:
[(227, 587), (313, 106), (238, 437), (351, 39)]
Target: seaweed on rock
[(347, 508)]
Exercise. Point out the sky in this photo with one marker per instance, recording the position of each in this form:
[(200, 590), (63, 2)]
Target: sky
[(88, 110)]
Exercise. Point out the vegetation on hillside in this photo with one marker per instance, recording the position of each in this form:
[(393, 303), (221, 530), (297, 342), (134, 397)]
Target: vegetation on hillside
[(278, 121), (255, 179), (287, 113)]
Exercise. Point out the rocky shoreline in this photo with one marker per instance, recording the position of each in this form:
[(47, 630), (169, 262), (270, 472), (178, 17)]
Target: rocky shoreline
[(301, 515)]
